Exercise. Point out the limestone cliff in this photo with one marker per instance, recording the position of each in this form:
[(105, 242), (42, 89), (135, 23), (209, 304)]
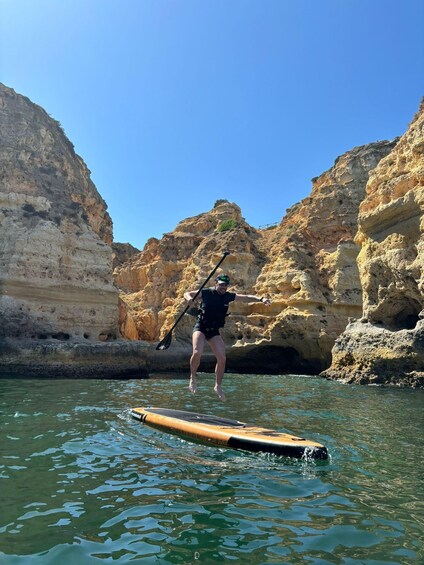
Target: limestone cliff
[(55, 233), (352, 250), (306, 266), (311, 272), (387, 344), (153, 282), (122, 252)]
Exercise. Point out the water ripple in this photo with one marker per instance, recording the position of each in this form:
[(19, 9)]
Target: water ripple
[(84, 481)]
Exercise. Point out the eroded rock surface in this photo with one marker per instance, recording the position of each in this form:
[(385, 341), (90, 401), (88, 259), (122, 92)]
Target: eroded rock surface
[(122, 252), (311, 272), (153, 282), (306, 266), (351, 254), (387, 345), (55, 233)]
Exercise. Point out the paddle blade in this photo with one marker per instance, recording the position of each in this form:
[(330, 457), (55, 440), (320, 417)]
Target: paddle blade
[(165, 343)]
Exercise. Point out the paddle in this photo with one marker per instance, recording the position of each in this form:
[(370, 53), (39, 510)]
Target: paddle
[(166, 341)]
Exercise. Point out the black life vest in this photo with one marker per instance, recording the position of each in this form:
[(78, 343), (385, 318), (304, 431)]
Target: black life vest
[(214, 307)]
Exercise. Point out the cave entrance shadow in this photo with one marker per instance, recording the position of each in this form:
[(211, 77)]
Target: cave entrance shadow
[(273, 360)]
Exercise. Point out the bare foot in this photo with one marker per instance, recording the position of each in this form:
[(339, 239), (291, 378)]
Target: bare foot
[(220, 393), (192, 386)]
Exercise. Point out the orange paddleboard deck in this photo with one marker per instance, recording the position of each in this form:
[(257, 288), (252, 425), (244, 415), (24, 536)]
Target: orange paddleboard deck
[(223, 432)]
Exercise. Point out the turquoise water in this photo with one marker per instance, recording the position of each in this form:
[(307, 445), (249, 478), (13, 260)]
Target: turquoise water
[(83, 482)]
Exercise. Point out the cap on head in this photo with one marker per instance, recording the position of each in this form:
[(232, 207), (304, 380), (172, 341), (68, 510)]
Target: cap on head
[(223, 279)]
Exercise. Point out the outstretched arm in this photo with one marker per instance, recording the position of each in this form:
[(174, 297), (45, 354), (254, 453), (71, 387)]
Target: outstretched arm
[(190, 295), (252, 298)]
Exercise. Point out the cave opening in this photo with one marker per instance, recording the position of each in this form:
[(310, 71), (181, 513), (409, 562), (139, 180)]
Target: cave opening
[(404, 315), (272, 359)]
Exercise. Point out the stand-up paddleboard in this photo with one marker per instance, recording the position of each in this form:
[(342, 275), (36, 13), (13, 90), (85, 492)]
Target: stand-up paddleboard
[(223, 432)]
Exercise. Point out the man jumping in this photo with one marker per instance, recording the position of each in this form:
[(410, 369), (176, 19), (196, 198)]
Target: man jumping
[(214, 306)]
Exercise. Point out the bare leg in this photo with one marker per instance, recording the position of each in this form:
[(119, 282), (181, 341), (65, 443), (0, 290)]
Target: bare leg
[(198, 345), (218, 347)]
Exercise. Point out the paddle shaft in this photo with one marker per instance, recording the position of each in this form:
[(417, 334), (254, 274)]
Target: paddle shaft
[(166, 339)]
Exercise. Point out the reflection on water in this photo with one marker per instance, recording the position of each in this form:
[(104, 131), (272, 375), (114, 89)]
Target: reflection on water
[(83, 480)]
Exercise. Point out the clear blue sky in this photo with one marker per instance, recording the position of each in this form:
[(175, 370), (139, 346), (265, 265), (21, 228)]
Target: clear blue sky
[(174, 104)]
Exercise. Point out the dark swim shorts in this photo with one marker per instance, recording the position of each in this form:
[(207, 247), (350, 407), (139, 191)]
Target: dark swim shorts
[(208, 332)]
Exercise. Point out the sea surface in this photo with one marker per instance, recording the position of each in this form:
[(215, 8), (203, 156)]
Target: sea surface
[(82, 482)]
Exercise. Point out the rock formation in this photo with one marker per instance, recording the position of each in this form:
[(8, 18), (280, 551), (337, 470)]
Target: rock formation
[(306, 266), (122, 252), (321, 267), (55, 233), (387, 344), (153, 282), (311, 272)]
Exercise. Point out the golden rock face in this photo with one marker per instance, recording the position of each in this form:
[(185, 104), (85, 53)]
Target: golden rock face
[(352, 250), (306, 265), (343, 268), (55, 233), (391, 226), (386, 345)]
